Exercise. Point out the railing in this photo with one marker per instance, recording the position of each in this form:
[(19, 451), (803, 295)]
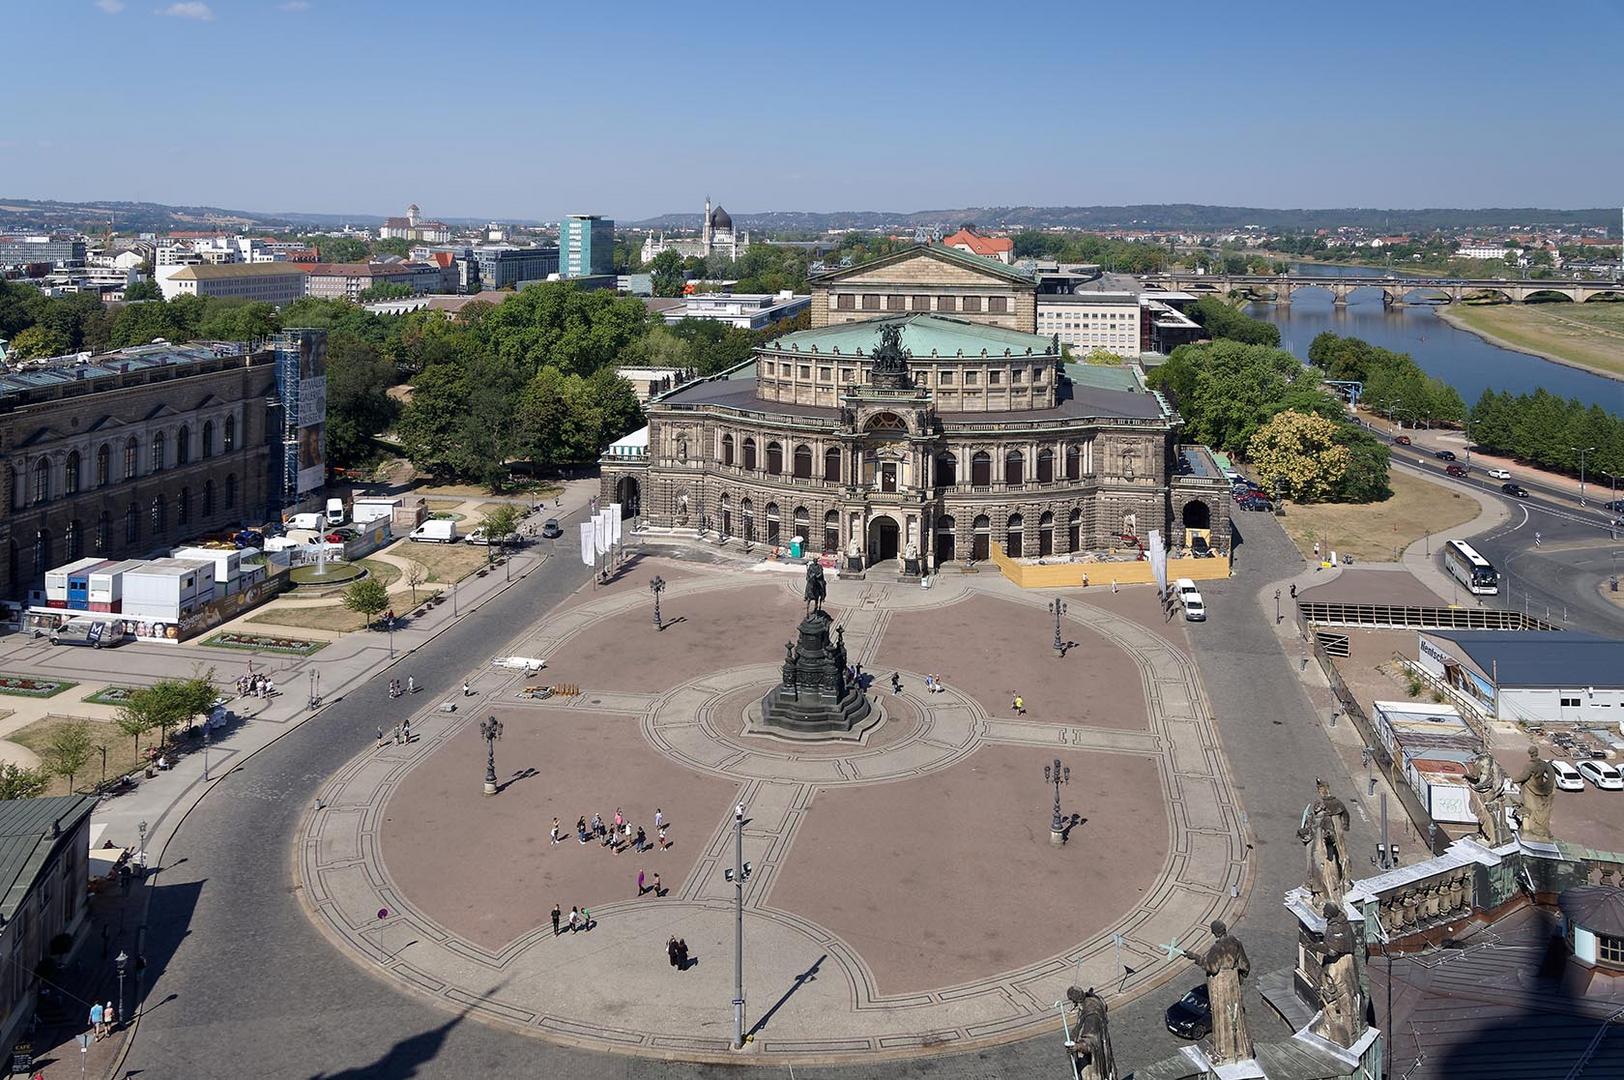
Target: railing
[(1462, 703), (1390, 616)]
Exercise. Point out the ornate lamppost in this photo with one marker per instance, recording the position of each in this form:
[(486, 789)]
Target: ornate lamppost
[(490, 729), (737, 875), (1057, 774), (657, 586), (1058, 607)]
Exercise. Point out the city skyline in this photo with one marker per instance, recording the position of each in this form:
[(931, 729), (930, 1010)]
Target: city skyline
[(875, 110)]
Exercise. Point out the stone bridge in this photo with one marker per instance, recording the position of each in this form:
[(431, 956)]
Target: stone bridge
[(1395, 290)]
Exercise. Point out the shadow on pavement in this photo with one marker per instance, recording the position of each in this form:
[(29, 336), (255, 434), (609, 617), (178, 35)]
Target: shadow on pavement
[(800, 980), (403, 1058)]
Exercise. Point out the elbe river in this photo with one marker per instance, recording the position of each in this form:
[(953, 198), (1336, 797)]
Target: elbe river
[(1462, 359)]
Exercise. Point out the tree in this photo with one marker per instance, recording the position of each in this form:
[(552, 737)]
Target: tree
[(1366, 478), (394, 245), (416, 574), (145, 289), (137, 716), (68, 750), (1102, 357), (366, 597), (384, 290), (499, 523), (358, 401), (1222, 321), (17, 782), (1299, 454), (665, 273), (38, 341), (342, 249)]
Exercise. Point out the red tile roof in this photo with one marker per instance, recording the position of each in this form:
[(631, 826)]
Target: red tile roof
[(980, 245)]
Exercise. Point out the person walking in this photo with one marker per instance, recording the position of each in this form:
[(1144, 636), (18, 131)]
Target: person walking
[(659, 818), (597, 827), (664, 843), (586, 919), (95, 1019), (682, 954), (580, 830), (575, 918), (557, 914), (671, 950), (896, 683), (555, 835), (657, 890), (1019, 705), (465, 690), (110, 1017), (406, 729), (641, 843), (411, 684), (641, 887)]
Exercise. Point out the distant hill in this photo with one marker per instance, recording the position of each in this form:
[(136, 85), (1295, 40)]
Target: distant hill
[(156, 217)]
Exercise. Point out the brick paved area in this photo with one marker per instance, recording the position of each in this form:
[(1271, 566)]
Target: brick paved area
[(905, 897)]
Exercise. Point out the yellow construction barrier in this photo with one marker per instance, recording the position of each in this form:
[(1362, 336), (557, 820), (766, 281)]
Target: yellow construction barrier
[(1073, 575)]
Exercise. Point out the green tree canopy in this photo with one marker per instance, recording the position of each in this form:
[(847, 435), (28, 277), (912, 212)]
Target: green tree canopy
[(358, 401), (38, 341), (665, 273), (68, 750), (366, 597), (18, 782)]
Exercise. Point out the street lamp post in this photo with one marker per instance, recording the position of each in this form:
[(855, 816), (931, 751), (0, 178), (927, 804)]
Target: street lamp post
[(657, 586), (389, 624), (1613, 477), (141, 853), (315, 692), (206, 749), (1278, 618), (490, 729), (1057, 774), (1058, 607), (737, 875), (1581, 451), (121, 962)]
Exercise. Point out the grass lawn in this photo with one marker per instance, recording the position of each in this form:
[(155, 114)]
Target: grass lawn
[(1374, 532), (120, 749), (1590, 334), (537, 489), (323, 617), (444, 562)]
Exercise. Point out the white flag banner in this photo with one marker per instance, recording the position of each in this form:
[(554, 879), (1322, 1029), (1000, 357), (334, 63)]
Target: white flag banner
[(614, 523), (601, 525), (589, 551), (1157, 553)]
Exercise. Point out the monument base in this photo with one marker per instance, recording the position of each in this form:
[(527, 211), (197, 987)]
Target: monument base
[(858, 733)]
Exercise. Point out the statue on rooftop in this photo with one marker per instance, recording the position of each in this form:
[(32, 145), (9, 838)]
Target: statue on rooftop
[(1488, 782), (1227, 967), (1094, 1057), (1325, 832), (1341, 998), (1538, 785)]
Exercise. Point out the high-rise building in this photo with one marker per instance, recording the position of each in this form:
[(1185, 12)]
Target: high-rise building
[(586, 245)]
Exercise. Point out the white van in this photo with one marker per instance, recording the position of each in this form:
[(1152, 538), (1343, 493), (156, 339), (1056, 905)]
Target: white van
[(335, 512), (1195, 609), (304, 521), (1183, 587), (435, 531)]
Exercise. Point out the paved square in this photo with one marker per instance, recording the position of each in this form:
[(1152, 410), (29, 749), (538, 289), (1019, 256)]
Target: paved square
[(905, 897)]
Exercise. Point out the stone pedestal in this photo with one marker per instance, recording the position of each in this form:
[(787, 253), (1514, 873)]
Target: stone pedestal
[(817, 694)]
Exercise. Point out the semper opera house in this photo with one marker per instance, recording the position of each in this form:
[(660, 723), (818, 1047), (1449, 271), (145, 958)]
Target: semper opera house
[(920, 418)]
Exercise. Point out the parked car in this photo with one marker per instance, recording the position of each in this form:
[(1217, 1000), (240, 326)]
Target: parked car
[(1254, 502), (551, 530), (1567, 777), (1616, 504), (1401, 440), (1515, 489), (1190, 1017), (1183, 587), (1603, 775), (1195, 608), (478, 537), (1455, 470), (1444, 455), (1499, 474)]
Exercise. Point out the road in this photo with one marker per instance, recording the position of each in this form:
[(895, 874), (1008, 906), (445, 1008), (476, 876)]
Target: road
[(243, 984)]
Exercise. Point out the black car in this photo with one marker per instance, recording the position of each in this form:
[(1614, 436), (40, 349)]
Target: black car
[(1190, 1017), (550, 529), (1616, 504), (1515, 489), (1444, 455)]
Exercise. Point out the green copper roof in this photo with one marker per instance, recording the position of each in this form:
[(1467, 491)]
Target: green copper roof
[(923, 336), (1104, 376)]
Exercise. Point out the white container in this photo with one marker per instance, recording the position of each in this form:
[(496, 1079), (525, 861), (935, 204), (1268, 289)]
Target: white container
[(365, 510), (166, 589)]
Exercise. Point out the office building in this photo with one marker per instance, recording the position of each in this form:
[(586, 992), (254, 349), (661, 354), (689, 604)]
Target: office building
[(747, 311), (18, 251), (268, 282), (347, 281), (1092, 321), (501, 267), (413, 227), (586, 246)]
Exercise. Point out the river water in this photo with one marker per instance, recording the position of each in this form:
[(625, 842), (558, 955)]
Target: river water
[(1462, 359)]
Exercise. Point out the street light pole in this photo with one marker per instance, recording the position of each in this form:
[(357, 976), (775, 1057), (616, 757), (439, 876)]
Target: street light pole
[(206, 749), (1058, 606), (1582, 451), (1278, 618), (120, 963), (657, 586), (1057, 774), (490, 729), (738, 874)]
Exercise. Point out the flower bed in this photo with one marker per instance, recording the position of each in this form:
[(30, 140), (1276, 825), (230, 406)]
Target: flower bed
[(265, 643), (111, 695), (23, 686)]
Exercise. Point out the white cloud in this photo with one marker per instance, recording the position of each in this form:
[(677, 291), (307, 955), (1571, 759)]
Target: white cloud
[(112, 7), (295, 5), (189, 9)]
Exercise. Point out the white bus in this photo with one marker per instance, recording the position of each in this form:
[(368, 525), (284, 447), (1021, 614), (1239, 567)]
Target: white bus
[(1471, 569)]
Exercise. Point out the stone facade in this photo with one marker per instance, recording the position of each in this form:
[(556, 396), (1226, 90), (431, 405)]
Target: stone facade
[(928, 278), (131, 463)]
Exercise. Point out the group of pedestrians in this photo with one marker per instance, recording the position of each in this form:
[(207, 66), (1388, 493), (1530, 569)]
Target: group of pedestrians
[(259, 686), (618, 835), (676, 949), (579, 920), (397, 688), (103, 1020), (934, 684)]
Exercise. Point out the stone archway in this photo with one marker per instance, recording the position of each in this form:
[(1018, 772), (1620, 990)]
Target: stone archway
[(628, 495), (884, 539), (1196, 515), (945, 539)]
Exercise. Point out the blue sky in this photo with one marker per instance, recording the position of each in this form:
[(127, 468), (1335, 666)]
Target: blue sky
[(533, 108)]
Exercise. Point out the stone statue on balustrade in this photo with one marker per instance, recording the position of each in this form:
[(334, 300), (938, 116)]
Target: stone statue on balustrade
[(1489, 802), (1227, 967), (1093, 1053), (1538, 785), (1342, 1003), (1324, 831)]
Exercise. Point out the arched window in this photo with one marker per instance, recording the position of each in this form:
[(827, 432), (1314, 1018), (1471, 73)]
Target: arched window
[(772, 523), (104, 465), (947, 470), (831, 532), (803, 525), (74, 537), (1014, 467), (831, 464), (158, 452), (724, 510), (749, 453), (231, 433), (159, 517), (980, 469), (1045, 466), (208, 438), (132, 524), (42, 480), (208, 498), (775, 458), (747, 511), (42, 552), (1013, 537), (803, 462), (130, 452), (980, 536), (104, 531), (727, 449), (183, 507), (945, 541), (183, 445), (231, 491), (1046, 534), (70, 474), (1074, 462), (1074, 531)]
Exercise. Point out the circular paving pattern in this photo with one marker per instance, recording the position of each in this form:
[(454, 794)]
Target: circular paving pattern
[(905, 895)]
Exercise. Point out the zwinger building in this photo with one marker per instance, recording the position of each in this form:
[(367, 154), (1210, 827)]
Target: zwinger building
[(920, 418)]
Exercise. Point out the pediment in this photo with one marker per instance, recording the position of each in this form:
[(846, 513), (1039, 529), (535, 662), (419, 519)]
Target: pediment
[(928, 264), (40, 435)]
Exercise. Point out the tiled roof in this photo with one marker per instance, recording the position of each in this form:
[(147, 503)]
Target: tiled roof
[(980, 245), (923, 336), (29, 829), (207, 271)]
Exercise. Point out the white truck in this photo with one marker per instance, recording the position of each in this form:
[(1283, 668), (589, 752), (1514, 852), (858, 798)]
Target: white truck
[(335, 512), (304, 521), (435, 531)]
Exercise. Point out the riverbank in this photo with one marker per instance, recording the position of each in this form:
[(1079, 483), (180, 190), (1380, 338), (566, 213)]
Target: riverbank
[(1529, 329)]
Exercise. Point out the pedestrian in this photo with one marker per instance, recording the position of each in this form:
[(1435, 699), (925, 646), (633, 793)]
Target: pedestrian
[(620, 820), (406, 730), (1085, 579), (575, 918), (597, 827), (659, 818), (95, 1019), (682, 954), (557, 914), (1019, 705), (641, 842), (270, 688), (411, 684), (657, 890), (397, 734), (586, 919), (380, 735), (896, 683), (930, 683), (580, 829), (671, 950), (1317, 551), (1294, 590), (110, 1017), (555, 835), (465, 690), (1113, 586), (641, 888), (664, 843)]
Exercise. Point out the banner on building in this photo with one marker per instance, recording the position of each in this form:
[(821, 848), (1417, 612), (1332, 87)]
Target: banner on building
[(614, 523), (600, 522)]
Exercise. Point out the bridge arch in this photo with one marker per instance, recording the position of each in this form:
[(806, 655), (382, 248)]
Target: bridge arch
[(1609, 294)]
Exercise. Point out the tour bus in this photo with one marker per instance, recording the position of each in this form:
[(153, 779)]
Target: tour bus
[(1471, 569)]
